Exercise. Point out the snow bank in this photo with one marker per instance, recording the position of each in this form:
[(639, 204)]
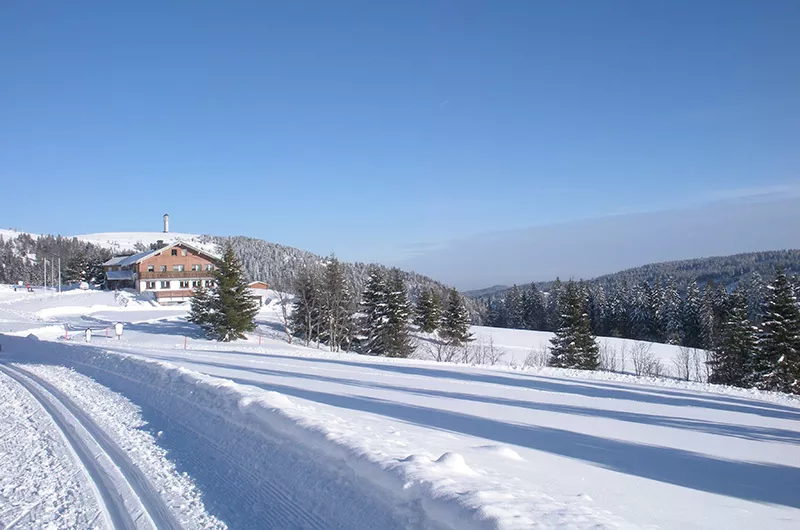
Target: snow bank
[(429, 492)]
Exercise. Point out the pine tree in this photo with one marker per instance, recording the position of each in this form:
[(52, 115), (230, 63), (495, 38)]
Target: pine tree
[(455, 320), (514, 308), (777, 363), (397, 338), (77, 269), (233, 308), (553, 309), (573, 345), (534, 314), (428, 311), (373, 320), (731, 360), (670, 314), (201, 312), (692, 318)]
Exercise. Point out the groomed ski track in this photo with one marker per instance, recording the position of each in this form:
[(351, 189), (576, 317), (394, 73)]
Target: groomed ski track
[(244, 454), (125, 496)]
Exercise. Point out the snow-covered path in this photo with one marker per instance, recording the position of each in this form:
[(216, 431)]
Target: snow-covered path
[(126, 497), (636, 450)]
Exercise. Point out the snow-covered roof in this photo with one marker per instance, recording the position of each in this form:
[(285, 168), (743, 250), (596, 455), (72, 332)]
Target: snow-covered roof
[(123, 261)]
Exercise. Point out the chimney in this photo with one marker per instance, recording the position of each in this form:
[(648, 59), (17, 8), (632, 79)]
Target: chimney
[(166, 223)]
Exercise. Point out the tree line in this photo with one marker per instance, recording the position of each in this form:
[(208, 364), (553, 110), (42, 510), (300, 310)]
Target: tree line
[(752, 332), (22, 260), (379, 319)]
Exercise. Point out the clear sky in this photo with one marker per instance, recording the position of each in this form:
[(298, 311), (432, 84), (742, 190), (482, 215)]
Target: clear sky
[(368, 128)]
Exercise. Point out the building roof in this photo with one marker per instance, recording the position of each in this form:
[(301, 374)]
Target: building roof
[(122, 261)]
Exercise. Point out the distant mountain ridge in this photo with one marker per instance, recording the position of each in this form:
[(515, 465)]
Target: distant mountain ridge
[(724, 270)]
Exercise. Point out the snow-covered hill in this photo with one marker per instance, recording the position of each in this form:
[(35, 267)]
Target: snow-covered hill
[(274, 434), (127, 241)]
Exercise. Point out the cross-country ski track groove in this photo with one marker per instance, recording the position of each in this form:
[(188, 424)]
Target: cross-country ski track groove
[(127, 499)]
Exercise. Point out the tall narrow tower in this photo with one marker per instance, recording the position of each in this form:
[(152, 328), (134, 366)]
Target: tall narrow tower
[(166, 223)]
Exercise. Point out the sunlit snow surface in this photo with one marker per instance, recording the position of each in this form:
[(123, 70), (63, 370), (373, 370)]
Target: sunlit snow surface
[(410, 443)]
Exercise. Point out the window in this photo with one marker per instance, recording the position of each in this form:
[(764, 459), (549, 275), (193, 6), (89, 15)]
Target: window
[(183, 252), (185, 284), (197, 267), (177, 268), (197, 283), (209, 283), (174, 251), (163, 268), (209, 267), (165, 284), (151, 268), (151, 285)]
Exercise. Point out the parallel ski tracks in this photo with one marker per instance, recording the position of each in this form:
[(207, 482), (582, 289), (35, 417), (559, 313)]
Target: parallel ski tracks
[(127, 499)]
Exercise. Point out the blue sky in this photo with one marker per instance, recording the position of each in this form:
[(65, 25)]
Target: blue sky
[(369, 128)]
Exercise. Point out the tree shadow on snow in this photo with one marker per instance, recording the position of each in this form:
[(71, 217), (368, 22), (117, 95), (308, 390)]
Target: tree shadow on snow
[(578, 387), (752, 481)]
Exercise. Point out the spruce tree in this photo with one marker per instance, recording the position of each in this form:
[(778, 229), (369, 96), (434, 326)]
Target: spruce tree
[(233, 308), (373, 321), (455, 320), (201, 312), (731, 359), (534, 315), (777, 363), (397, 338), (428, 311), (573, 345), (692, 317)]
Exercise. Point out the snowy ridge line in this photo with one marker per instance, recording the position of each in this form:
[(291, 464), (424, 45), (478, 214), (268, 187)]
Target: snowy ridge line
[(211, 407), (118, 508), (150, 499)]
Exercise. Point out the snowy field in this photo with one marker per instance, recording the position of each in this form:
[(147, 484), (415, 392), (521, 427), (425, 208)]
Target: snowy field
[(261, 433)]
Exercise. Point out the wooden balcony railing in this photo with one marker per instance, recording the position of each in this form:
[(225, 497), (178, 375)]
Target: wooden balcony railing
[(170, 275), (173, 294)]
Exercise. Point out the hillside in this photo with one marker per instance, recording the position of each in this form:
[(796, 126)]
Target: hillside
[(727, 271), (262, 260)]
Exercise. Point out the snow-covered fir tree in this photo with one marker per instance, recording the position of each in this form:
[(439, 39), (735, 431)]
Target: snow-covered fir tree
[(373, 320), (201, 311), (455, 320), (397, 340), (428, 312), (233, 307), (777, 362), (573, 345), (732, 358), (227, 311), (692, 318)]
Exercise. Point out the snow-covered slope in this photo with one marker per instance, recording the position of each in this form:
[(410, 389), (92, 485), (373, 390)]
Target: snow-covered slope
[(280, 435), (127, 241)]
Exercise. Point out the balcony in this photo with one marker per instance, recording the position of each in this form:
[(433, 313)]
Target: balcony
[(174, 275), (168, 295)]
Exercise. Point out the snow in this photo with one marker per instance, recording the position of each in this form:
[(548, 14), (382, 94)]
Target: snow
[(127, 241), (280, 435)]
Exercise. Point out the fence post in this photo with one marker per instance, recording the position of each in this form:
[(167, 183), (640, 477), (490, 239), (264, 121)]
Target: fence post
[(66, 335), (184, 342)]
